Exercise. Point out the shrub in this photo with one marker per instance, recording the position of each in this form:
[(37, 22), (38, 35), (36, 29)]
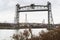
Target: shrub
[(51, 35)]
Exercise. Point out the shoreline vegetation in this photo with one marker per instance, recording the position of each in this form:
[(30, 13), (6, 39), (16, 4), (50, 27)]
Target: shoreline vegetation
[(50, 35)]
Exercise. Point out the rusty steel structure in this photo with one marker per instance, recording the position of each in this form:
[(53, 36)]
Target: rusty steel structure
[(33, 8)]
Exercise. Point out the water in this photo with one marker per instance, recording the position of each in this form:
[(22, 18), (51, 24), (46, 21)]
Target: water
[(6, 34)]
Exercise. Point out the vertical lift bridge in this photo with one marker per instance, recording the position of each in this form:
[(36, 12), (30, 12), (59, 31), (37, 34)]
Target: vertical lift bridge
[(32, 8)]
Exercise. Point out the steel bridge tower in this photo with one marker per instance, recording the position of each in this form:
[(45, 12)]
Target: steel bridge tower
[(32, 8)]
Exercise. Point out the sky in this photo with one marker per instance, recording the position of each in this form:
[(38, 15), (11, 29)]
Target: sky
[(8, 11)]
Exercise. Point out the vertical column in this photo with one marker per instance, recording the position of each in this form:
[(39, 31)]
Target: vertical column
[(26, 18), (49, 14), (17, 15), (17, 21)]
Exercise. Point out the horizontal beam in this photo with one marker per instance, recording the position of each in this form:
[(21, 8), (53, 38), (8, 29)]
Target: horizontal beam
[(21, 27), (32, 10), (34, 6)]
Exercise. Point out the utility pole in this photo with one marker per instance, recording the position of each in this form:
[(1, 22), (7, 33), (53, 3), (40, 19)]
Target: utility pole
[(25, 18), (43, 22)]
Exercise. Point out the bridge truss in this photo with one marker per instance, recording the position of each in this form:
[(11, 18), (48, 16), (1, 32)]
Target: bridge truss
[(30, 8), (33, 8)]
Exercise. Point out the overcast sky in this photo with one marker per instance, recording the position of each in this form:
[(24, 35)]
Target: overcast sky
[(7, 11)]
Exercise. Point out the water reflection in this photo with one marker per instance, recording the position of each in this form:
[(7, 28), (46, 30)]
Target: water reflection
[(6, 34)]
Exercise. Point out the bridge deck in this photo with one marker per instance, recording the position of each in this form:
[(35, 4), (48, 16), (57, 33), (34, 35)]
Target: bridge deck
[(22, 25)]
